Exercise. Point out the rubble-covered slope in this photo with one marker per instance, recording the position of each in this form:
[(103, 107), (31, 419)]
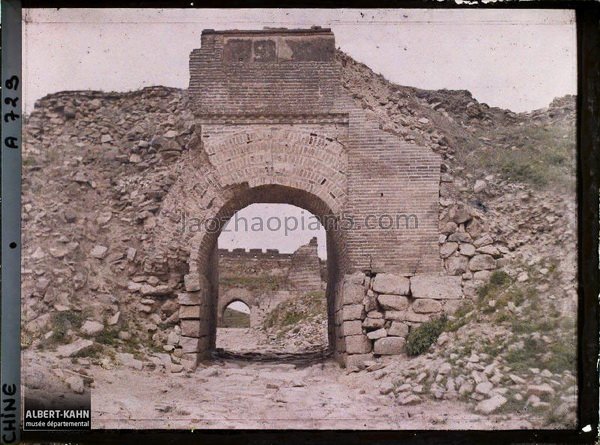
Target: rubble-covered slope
[(511, 346), (95, 168)]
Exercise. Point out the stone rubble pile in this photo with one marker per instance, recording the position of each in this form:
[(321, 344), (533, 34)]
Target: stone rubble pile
[(96, 166), (484, 380)]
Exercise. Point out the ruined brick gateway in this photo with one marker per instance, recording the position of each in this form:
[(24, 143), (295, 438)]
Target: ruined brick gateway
[(274, 125)]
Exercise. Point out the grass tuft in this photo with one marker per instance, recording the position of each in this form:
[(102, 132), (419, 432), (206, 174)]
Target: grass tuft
[(422, 337), (61, 323)]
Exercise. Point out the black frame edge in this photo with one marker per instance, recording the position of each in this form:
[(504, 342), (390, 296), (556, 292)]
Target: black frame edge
[(588, 36), (588, 184), (10, 296)]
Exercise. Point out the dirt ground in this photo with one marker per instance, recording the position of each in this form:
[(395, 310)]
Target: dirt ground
[(271, 396), (243, 394)]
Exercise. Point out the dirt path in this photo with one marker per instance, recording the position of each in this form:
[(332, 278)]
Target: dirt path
[(250, 395), (233, 393)]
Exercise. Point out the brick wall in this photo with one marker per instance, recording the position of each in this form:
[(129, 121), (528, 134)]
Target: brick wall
[(272, 111), (264, 278), (391, 183), (275, 72)]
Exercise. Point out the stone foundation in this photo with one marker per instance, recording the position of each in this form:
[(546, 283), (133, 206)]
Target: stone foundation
[(378, 312)]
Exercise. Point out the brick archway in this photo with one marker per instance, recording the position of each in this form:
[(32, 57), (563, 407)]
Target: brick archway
[(200, 303), (274, 124)]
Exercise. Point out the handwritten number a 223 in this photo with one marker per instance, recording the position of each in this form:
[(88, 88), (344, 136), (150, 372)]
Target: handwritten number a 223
[(12, 83)]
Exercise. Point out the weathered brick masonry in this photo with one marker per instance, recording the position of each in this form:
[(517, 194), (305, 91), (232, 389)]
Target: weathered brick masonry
[(273, 124), (285, 275)]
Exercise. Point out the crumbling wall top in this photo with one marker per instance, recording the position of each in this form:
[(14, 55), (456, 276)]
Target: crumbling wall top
[(267, 72)]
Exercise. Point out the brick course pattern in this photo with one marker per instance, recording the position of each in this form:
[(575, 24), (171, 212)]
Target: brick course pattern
[(296, 274), (273, 124)]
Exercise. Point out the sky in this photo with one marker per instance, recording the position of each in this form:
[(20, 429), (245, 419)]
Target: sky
[(274, 226), (515, 59)]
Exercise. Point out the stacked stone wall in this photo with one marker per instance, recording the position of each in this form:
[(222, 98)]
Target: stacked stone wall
[(378, 312)]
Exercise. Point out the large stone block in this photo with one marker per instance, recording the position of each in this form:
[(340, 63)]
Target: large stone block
[(387, 283), (476, 227), (190, 312), (195, 282), (358, 344), (426, 306), (352, 327), (459, 213), (490, 250), (353, 312), (482, 262), (379, 333), (437, 287), (398, 329), (189, 298), (373, 323), (457, 265), (389, 346), (355, 278), (448, 249), (484, 240), (467, 249), (460, 237), (393, 302), (353, 293), (375, 314), (188, 344), (192, 328)]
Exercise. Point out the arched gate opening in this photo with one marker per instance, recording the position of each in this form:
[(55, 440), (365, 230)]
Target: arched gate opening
[(310, 145), (273, 258), (199, 330), (235, 315)]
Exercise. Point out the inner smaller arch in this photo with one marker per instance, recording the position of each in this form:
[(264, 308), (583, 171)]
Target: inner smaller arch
[(236, 315)]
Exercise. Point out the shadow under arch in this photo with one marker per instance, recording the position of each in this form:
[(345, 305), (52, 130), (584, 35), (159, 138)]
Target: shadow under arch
[(203, 261)]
